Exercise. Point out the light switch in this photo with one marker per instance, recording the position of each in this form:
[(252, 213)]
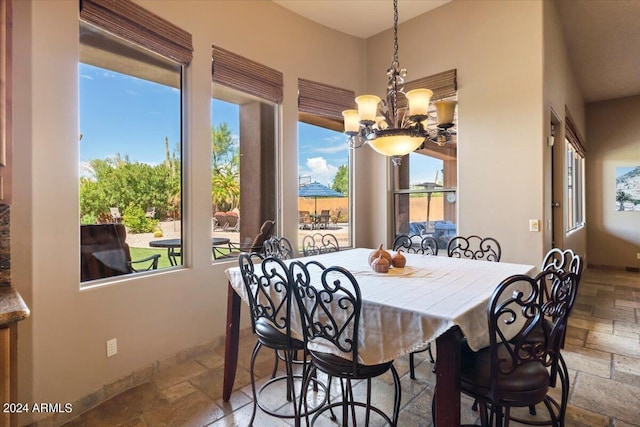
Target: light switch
[(534, 225)]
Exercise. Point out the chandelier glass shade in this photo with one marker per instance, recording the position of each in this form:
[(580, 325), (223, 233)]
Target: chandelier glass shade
[(394, 131)]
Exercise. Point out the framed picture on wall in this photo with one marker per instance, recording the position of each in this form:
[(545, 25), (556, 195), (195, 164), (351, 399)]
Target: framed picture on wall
[(628, 188)]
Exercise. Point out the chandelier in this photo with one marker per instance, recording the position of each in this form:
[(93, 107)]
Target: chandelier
[(393, 131)]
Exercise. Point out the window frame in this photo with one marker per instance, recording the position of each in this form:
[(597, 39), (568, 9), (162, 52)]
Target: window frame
[(574, 191), (103, 17)]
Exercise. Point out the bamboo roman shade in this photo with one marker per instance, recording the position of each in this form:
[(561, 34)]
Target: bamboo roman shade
[(572, 134), (129, 21), (444, 85), (323, 100), (239, 73)]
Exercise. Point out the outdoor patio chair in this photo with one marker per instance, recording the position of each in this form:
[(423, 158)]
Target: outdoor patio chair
[(233, 249), (323, 219), (304, 220), (219, 221), (233, 221), (151, 212), (115, 215), (105, 253)]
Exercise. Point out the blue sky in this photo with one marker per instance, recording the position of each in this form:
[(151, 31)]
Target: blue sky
[(124, 115)]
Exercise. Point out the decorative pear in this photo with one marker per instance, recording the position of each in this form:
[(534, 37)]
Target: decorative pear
[(380, 264), (375, 254), (399, 260)]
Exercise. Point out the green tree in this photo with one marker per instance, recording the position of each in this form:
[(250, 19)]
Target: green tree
[(622, 198), (120, 183), (224, 149), (341, 180), (225, 169)]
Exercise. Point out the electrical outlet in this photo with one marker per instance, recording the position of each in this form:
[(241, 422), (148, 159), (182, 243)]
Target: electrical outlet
[(638, 255), (112, 347), (534, 225)]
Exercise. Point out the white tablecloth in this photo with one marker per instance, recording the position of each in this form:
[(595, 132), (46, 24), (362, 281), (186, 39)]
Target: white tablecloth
[(406, 308)]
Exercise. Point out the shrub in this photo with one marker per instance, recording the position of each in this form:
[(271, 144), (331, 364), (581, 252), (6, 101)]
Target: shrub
[(136, 222), (88, 219)]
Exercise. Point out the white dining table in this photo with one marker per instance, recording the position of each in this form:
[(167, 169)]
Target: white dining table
[(433, 298)]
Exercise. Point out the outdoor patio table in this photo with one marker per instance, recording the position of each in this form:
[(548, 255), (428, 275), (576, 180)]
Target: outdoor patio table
[(432, 298), (173, 244)]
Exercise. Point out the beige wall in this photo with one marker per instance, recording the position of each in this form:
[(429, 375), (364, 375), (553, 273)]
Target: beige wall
[(614, 140), (560, 90), (62, 349), (496, 46)]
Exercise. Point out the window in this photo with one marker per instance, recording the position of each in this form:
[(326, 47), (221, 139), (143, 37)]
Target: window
[(574, 174), (324, 162), (130, 141), (574, 187), (425, 199), (244, 101), (425, 182)]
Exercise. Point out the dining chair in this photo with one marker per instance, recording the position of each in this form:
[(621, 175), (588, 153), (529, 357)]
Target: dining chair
[(279, 247), (427, 246), (267, 285), (330, 306), (319, 243), (474, 247), (416, 244), (513, 371), (559, 296)]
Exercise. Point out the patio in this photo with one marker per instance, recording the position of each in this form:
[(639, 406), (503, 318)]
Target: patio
[(171, 230)]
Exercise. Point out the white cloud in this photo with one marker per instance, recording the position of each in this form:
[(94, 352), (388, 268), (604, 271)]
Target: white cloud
[(320, 170), (86, 76), (331, 150)]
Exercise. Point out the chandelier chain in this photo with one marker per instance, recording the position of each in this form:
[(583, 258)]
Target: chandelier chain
[(395, 32)]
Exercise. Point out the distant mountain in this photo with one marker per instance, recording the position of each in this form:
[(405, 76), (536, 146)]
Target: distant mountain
[(629, 183)]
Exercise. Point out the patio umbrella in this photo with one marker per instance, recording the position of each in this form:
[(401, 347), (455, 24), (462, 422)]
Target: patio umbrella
[(315, 190)]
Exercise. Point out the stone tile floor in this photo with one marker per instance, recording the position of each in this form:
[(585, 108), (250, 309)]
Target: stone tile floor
[(602, 352)]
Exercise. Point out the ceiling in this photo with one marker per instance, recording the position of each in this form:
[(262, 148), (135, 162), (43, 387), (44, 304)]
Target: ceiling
[(601, 35), (360, 18), (602, 38)]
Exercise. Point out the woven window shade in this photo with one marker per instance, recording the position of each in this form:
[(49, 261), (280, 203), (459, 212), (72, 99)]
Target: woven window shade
[(444, 85), (572, 134), (323, 100), (245, 75), (129, 21)]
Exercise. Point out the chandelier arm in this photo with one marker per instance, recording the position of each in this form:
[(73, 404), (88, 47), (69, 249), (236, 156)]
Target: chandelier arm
[(402, 129)]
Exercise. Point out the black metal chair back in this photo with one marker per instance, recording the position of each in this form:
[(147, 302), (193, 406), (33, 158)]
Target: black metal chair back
[(558, 292), (330, 308), (318, 243), (522, 330), (266, 282), (428, 245), (278, 247), (474, 247), (563, 260), (330, 304)]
